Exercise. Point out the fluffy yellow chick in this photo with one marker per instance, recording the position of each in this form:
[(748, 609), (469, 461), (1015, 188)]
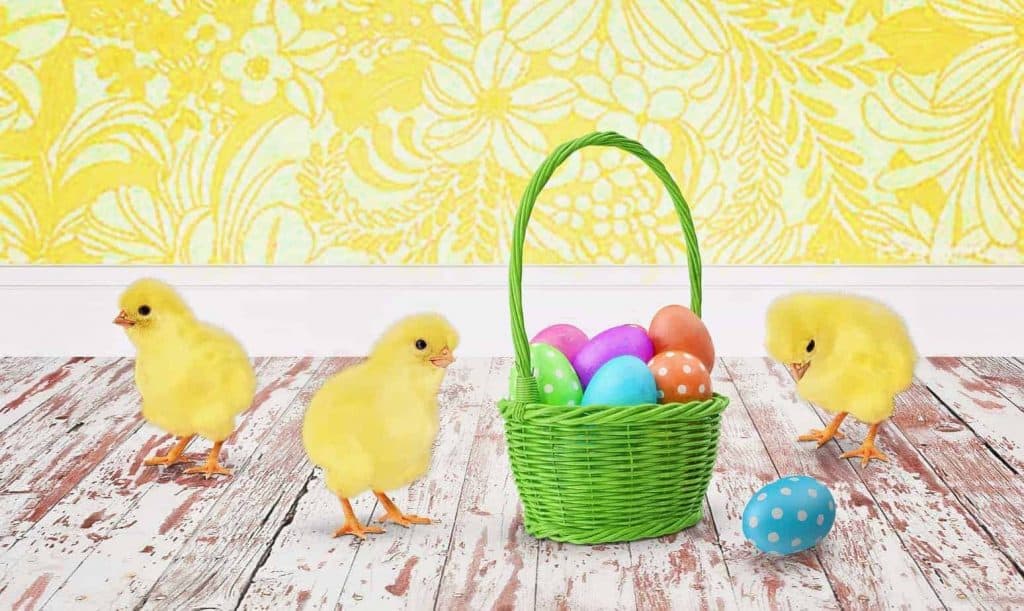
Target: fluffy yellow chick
[(372, 426), (194, 378), (849, 355)]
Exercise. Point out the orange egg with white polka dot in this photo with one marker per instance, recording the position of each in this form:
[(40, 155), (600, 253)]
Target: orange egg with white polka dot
[(680, 376)]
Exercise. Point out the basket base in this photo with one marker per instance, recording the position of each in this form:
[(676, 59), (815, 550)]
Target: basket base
[(612, 534)]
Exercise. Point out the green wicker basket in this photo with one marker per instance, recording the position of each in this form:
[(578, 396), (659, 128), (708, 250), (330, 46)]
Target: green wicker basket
[(600, 474)]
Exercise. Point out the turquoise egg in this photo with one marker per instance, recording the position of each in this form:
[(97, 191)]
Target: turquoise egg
[(789, 515), (624, 380)]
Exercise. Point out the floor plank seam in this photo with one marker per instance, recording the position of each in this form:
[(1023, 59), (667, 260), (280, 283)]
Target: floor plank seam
[(352, 563), (967, 425), (51, 373), (753, 422), (288, 519), (114, 448), (995, 541), (536, 576), (859, 474), (131, 505), (462, 488), (451, 535), (23, 536), (964, 501), (976, 370), (734, 418), (188, 539), (632, 572), (899, 535), (718, 543)]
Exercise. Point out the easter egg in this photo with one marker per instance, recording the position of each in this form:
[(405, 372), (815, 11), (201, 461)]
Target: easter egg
[(556, 379), (624, 340), (677, 328), (789, 515), (565, 338), (680, 376), (624, 380)]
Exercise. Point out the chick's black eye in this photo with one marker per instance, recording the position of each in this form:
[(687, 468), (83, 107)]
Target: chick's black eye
[(421, 345), (810, 346), (144, 310)]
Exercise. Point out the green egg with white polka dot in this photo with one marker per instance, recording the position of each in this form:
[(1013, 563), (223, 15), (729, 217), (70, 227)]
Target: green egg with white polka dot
[(556, 379)]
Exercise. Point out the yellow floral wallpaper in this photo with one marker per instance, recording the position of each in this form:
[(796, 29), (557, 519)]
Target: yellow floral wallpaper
[(373, 131)]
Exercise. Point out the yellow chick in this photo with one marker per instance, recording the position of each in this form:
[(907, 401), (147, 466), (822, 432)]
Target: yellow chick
[(372, 426), (194, 378), (849, 355)]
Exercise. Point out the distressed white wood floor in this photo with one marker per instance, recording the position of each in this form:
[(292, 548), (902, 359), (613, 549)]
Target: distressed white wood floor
[(84, 525)]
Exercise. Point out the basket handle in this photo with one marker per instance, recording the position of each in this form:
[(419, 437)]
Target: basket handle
[(526, 386)]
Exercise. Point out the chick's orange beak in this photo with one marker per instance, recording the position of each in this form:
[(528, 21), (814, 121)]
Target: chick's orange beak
[(123, 320), (799, 369), (444, 359)]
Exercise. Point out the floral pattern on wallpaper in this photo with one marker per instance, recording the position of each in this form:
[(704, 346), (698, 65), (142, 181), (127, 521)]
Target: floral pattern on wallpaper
[(360, 131)]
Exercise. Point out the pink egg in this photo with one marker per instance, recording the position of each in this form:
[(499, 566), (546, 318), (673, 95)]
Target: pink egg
[(623, 340), (567, 339)]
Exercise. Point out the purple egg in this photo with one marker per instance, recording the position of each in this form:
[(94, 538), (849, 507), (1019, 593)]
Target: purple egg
[(567, 339), (618, 341)]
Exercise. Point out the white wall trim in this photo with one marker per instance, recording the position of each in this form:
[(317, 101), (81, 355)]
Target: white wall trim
[(329, 310)]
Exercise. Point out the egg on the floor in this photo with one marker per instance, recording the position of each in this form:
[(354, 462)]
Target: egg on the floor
[(789, 515)]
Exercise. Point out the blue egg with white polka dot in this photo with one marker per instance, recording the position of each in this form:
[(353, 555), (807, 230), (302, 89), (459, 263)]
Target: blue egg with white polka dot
[(789, 515)]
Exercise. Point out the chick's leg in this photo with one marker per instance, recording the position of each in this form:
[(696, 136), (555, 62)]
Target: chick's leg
[(824, 436), (867, 450), (352, 525), (173, 457), (394, 514), (212, 466)]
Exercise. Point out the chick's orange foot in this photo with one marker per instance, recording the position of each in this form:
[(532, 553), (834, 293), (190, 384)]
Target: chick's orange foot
[(172, 457), (356, 529), (822, 436), (394, 514), (867, 451), (352, 525), (209, 469), (828, 434), (167, 461), (212, 466), (404, 519)]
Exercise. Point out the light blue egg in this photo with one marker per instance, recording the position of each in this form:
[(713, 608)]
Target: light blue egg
[(624, 380), (789, 515)]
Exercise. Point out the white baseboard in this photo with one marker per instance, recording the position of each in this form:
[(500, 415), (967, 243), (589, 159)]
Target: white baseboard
[(339, 310)]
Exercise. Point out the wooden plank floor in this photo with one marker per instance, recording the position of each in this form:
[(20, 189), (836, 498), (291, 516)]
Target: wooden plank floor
[(84, 525)]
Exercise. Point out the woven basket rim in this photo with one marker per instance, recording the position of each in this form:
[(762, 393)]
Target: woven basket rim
[(647, 413)]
